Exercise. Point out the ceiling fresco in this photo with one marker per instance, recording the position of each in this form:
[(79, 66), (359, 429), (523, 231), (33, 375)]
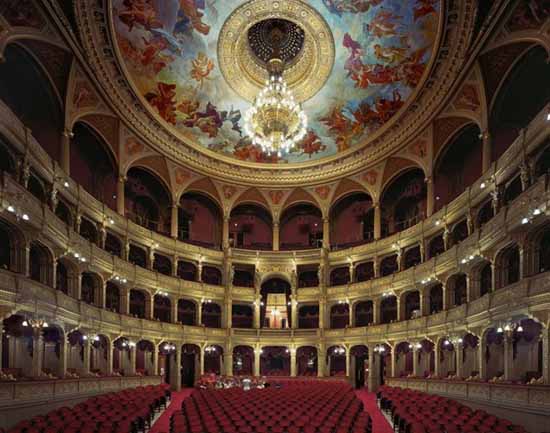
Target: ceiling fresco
[(381, 50)]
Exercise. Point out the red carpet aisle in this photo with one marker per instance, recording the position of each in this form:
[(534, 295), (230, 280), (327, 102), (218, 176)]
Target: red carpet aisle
[(162, 425), (379, 422)]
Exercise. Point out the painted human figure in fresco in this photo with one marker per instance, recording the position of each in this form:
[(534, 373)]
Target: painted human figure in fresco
[(338, 7)]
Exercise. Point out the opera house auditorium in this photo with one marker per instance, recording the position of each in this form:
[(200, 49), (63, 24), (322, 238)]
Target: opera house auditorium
[(275, 216)]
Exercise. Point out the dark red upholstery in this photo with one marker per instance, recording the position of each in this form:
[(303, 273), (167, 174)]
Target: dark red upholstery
[(297, 407), (418, 412), (122, 412)]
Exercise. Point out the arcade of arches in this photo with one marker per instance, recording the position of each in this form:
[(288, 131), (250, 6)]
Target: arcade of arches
[(127, 250)]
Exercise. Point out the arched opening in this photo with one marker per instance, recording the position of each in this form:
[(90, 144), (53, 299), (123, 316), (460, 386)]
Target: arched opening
[(458, 289), (336, 360), (412, 257), (527, 352), (359, 365), (542, 252), (37, 187), (213, 360), (275, 308), (470, 358), (112, 297), (138, 304), (509, 266), (485, 280), (389, 265), (512, 190), (199, 221), (364, 313), (75, 356), (364, 272), (301, 227), (339, 276), (211, 275), (121, 357), (459, 232), (190, 368), (403, 201), (162, 264), (88, 230), (250, 227), (99, 358), (403, 359), (275, 361), (147, 200), (485, 214), (459, 165), (339, 316), (211, 315), (412, 305), (308, 276), (93, 165), (113, 245), (306, 359), (90, 288), (62, 278), (242, 316), (35, 103), (352, 221), (145, 351), (137, 256), (187, 271), (436, 298), (63, 212), (388, 309), (436, 246), (17, 341), (529, 82), (426, 358), (187, 312), (308, 316), (162, 308), (166, 361), (447, 358), (243, 361), (243, 276), (40, 264), (494, 353)]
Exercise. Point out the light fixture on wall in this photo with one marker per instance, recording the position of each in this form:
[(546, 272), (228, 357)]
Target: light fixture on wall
[(339, 350), (379, 348), (13, 207), (169, 347), (35, 323), (210, 349)]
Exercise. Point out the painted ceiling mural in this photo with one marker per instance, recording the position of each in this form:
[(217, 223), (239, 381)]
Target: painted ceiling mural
[(382, 50)]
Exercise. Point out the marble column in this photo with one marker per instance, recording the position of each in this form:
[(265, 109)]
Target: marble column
[(481, 358), (508, 357), (377, 221), (87, 350), (257, 312), (175, 369), (293, 366), (372, 381), (545, 336), (275, 235), (228, 312), (322, 313), (321, 360), (37, 352), (174, 227), (459, 360), (486, 151), (66, 151), (228, 361), (294, 311), (430, 196), (257, 361), (225, 232), (133, 353), (109, 361), (326, 233), (120, 200), (199, 314), (348, 362), (376, 311), (437, 360), (416, 363), (174, 310)]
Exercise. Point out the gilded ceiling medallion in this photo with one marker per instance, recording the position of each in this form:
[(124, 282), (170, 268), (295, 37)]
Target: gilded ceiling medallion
[(244, 70)]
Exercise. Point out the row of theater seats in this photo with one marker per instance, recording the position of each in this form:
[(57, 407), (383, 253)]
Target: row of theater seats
[(418, 412), (127, 411), (295, 407)]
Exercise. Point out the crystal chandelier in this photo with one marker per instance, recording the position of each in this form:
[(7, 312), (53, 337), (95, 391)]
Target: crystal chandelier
[(275, 121)]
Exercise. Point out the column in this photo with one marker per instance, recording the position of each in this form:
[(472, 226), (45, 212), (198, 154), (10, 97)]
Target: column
[(225, 232), (459, 360), (257, 361), (377, 221), (38, 352), (62, 363), (66, 151), (416, 363), (229, 362), (486, 151), (78, 287), (199, 272), (294, 311), (199, 314), (120, 205), (322, 313), (481, 358), (321, 360), (400, 308), (174, 221), (393, 360), (326, 233), (124, 300), (175, 369), (109, 349), (293, 366), (351, 315), (508, 357), (351, 273), (133, 350), (228, 312), (545, 335), (150, 258), (430, 195), (174, 310), (348, 362), (275, 235), (87, 350), (155, 361), (375, 311), (437, 361), (202, 360), (445, 292), (424, 302), (103, 295), (257, 312), (372, 380)]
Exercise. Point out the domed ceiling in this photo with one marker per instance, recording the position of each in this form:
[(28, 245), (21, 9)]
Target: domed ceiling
[(197, 65)]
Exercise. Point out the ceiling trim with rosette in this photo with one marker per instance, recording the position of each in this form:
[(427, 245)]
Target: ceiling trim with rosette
[(447, 65)]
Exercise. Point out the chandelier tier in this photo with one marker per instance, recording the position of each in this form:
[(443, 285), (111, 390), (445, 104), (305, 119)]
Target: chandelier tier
[(275, 121)]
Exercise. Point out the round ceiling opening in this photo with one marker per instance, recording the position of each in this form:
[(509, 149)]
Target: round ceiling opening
[(266, 35)]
